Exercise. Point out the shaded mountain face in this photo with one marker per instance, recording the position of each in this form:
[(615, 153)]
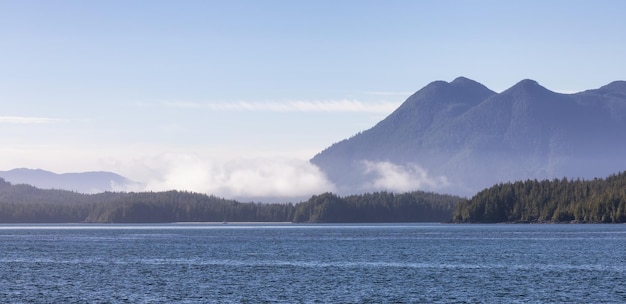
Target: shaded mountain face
[(86, 182), (460, 137)]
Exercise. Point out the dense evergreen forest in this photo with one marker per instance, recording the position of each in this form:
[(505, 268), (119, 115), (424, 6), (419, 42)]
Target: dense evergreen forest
[(532, 201), (377, 207), (27, 204)]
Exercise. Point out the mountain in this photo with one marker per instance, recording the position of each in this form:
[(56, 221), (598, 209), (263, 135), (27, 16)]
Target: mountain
[(85, 182), (461, 137)]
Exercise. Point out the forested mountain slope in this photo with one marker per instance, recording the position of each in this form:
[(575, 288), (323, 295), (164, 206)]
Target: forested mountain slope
[(463, 137)]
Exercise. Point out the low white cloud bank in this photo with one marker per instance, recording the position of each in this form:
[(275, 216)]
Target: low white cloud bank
[(27, 120), (411, 177), (254, 178), (343, 105)]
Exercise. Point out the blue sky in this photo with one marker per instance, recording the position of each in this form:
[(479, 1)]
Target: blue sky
[(233, 97)]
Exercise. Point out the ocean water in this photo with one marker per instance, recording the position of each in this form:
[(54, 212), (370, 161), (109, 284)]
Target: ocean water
[(291, 263)]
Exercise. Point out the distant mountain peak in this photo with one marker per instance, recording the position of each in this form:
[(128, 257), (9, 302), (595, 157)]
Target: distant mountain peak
[(528, 87), (441, 95), (461, 79), (471, 85), (527, 84), (464, 81), (28, 170), (460, 85), (84, 182), (435, 85)]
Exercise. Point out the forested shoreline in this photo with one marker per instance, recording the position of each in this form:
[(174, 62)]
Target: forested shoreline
[(548, 201), (27, 204), (377, 207), (530, 201)]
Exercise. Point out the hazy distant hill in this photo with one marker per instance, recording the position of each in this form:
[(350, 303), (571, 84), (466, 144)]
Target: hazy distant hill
[(460, 137), (85, 182)]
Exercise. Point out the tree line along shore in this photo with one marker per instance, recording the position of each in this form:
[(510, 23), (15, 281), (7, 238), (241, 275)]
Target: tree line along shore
[(531, 201)]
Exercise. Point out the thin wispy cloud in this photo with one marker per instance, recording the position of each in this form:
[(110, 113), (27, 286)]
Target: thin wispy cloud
[(27, 120), (389, 93), (344, 105)]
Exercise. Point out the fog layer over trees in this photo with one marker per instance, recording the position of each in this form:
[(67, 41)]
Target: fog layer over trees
[(27, 204)]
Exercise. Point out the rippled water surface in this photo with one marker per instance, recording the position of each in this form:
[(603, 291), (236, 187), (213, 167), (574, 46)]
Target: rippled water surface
[(287, 263)]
